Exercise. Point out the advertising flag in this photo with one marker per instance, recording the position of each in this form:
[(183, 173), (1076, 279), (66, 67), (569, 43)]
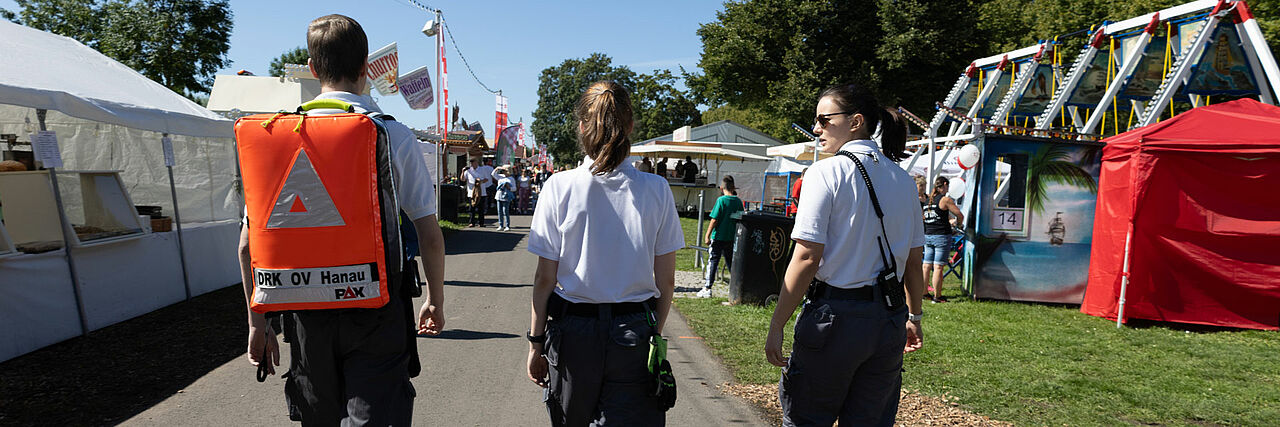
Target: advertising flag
[(500, 114), (444, 89), (384, 68), (506, 145), (416, 88)]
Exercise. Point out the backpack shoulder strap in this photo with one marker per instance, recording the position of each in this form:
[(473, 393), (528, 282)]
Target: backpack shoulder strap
[(875, 203)]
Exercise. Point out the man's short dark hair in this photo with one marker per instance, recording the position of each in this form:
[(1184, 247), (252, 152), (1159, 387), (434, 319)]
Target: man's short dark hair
[(338, 48)]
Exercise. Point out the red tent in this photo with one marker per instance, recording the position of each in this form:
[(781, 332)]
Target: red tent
[(1198, 197)]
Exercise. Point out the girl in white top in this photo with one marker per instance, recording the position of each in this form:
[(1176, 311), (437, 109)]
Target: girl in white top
[(607, 234), (847, 359)]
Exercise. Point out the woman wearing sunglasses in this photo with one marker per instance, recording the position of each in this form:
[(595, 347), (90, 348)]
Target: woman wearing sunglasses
[(849, 261)]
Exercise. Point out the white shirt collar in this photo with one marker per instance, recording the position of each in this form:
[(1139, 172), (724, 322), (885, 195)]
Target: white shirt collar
[(861, 146), (587, 161), (359, 101)]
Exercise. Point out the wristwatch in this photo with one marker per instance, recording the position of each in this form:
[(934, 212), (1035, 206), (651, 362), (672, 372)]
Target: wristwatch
[(915, 317), (540, 339)]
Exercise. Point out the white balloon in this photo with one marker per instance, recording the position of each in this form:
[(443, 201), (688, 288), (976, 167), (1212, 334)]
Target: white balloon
[(956, 189), (968, 156)]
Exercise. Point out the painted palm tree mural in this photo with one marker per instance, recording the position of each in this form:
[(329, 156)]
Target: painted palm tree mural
[(1052, 164)]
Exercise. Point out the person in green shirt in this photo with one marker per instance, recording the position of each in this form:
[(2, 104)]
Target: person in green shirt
[(719, 237)]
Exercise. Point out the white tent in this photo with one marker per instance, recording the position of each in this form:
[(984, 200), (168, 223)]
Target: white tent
[(57, 73), (798, 151), (108, 117)]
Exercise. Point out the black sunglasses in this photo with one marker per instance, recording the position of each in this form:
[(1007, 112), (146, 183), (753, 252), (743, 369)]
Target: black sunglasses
[(822, 120)]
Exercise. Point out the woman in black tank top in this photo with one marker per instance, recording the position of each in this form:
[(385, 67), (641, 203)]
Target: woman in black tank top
[(938, 208), (937, 221)]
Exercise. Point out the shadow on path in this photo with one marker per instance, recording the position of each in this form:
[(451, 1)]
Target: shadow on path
[(482, 240), (465, 335), (486, 285), (119, 371)]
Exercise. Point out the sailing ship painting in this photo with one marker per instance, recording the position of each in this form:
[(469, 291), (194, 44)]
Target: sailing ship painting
[(1057, 230)]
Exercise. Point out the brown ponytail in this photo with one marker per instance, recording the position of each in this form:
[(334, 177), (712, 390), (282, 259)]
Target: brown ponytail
[(937, 188), (604, 125), (856, 99), (893, 134)]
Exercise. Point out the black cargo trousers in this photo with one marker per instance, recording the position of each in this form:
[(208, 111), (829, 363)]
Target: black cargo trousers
[(599, 371), (351, 367), (846, 363)]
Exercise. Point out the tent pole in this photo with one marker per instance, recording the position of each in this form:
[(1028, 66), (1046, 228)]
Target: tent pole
[(697, 260), (66, 240), (177, 222), (1124, 276)]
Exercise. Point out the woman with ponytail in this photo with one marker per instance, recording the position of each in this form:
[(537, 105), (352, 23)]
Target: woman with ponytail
[(606, 234), (849, 262), (938, 208)]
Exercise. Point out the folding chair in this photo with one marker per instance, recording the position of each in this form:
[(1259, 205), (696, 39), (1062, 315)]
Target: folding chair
[(956, 261)]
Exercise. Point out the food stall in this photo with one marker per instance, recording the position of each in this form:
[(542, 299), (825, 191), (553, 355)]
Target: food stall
[(108, 145), (687, 195)]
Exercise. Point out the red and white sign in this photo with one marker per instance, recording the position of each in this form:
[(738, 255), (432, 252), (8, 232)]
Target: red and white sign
[(500, 114), (444, 88), (384, 69)]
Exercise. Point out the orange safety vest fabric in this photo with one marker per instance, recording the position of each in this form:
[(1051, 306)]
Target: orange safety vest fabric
[(313, 248)]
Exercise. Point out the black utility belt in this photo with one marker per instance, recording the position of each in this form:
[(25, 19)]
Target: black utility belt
[(819, 289), (557, 306)]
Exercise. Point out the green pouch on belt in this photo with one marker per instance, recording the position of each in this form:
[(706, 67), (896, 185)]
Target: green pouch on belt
[(664, 381), (657, 353)]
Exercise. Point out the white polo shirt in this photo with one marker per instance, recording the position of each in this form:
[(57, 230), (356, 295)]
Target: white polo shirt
[(414, 189), (605, 231), (474, 175), (413, 185), (835, 210)]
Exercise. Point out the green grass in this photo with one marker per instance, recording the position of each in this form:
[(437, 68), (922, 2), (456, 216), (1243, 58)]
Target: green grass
[(684, 257), (449, 227), (1041, 364)]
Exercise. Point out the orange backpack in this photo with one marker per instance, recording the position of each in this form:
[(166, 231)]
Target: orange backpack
[(320, 197)]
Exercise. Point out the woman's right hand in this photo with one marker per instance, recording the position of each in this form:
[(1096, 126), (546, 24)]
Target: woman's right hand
[(537, 366)]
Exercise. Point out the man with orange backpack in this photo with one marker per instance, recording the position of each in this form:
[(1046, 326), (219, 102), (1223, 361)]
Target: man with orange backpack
[(330, 191)]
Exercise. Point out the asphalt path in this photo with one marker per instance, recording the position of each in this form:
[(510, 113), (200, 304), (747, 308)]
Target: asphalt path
[(474, 372)]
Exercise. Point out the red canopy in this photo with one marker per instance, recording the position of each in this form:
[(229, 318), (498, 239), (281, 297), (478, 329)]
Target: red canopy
[(1198, 194)]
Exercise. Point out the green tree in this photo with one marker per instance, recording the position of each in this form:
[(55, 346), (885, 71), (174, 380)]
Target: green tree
[(772, 57), (558, 90), (178, 43), (297, 55), (659, 106)]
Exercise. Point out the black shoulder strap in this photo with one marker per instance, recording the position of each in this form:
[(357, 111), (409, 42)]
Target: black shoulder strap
[(890, 261)]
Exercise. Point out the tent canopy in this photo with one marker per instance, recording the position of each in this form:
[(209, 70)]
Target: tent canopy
[(1241, 126), (1192, 195), (53, 72), (798, 151), (709, 153)]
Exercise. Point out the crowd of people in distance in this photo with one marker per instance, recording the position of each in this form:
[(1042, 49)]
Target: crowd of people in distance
[(506, 189), (686, 170)]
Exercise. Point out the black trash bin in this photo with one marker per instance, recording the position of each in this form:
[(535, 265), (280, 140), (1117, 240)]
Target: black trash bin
[(761, 251), (450, 198)]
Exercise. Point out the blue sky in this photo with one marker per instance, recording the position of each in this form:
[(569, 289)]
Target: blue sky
[(507, 42)]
